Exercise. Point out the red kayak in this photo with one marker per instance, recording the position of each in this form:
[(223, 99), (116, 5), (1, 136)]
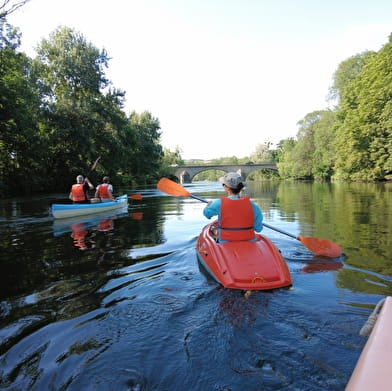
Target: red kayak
[(245, 265)]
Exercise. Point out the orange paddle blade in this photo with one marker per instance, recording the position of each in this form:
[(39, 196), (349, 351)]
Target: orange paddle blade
[(136, 196), (321, 246), (167, 186)]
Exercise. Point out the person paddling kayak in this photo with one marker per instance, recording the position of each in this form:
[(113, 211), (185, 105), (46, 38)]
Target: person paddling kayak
[(79, 191), (238, 217)]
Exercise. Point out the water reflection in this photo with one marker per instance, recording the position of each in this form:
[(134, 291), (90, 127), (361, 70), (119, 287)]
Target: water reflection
[(357, 216), (322, 266), (83, 238), (83, 228), (99, 221), (135, 312)]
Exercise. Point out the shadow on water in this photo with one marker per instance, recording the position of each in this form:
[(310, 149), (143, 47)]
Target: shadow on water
[(118, 302)]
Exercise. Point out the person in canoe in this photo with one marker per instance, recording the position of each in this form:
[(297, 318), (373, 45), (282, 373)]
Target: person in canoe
[(105, 190), (79, 191), (238, 217)]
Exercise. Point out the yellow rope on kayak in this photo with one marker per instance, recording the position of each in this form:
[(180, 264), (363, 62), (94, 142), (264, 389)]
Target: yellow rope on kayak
[(262, 279), (368, 326)]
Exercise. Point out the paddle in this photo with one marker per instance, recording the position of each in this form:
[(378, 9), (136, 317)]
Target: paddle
[(136, 197), (315, 245), (168, 186), (93, 166), (133, 196)]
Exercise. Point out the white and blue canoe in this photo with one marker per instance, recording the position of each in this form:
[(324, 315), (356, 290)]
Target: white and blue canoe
[(62, 211)]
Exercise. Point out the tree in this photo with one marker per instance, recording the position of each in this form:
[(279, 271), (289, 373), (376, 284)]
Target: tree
[(347, 71), (324, 154), (262, 153), (147, 151), (7, 7), (302, 154), (20, 144), (364, 131), (83, 117), (286, 157)]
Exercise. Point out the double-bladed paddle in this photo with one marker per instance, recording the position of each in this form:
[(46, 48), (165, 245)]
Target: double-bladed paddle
[(317, 246)]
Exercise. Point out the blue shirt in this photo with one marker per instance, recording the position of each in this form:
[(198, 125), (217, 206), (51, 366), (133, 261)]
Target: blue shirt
[(214, 208)]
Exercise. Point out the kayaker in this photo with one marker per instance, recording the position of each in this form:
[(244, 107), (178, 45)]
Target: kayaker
[(79, 191), (105, 190), (238, 217)]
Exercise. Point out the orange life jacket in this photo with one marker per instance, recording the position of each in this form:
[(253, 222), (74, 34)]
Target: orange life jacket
[(236, 219), (78, 192), (103, 190)]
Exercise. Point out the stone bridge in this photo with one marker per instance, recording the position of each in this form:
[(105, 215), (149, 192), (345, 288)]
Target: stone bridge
[(186, 173)]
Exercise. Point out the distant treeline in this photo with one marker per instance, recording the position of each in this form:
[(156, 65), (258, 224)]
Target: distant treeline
[(59, 113), (354, 140)]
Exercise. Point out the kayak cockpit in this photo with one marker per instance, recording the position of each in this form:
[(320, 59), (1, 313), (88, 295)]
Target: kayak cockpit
[(245, 265)]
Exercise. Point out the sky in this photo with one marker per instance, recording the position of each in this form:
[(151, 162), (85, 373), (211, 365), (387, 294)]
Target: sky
[(222, 76)]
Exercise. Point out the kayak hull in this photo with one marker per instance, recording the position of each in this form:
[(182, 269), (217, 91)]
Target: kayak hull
[(244, 265), (373, 369), (61, 211)]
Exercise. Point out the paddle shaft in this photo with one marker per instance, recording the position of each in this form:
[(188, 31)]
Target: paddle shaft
[(279, 230), (93, 166), (199, 198)]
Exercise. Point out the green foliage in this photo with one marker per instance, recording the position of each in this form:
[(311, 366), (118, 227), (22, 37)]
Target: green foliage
[(364, 136), (81, 122), (169, 160), (354, 141), (285, 158), (323, 158), (59, 112), (20, 145), (311, 155), (147, 152), (347, 71), (262, 153)]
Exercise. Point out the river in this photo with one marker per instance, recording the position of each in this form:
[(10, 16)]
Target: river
[(119, 302)]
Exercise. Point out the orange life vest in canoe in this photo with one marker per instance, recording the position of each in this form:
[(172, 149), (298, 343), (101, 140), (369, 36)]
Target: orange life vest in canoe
[(103, 190), (78, 192), (236, 219)]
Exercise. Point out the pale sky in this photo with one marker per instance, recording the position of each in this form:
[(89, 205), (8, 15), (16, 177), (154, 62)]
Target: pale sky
[(222, 76)]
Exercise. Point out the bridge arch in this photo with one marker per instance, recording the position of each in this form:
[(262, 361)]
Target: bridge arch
[(186, 173)]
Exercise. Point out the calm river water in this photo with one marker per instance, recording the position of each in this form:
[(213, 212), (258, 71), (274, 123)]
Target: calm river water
[(120, 303)]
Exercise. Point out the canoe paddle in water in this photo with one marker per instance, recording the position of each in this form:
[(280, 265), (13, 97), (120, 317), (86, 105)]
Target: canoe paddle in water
[(136, 197), (317, 246)]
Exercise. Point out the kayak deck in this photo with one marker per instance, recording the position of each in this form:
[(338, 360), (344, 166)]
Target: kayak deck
[(245, 265), (373, 369), (60, 211)]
